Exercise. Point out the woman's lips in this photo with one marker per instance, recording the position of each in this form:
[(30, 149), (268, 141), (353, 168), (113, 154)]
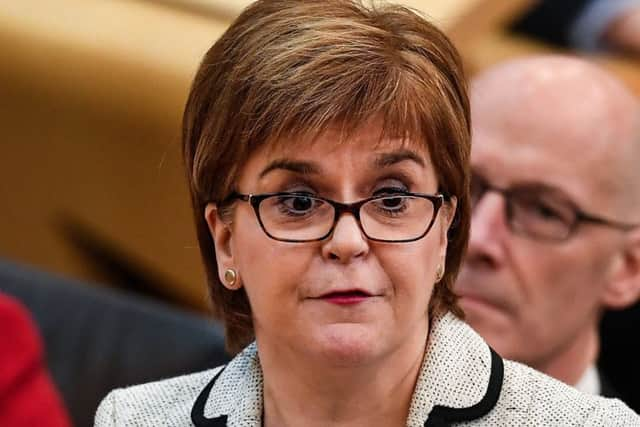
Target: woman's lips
[(346, 297)]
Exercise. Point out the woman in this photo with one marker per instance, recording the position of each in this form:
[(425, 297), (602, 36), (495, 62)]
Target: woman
[(327, 149)]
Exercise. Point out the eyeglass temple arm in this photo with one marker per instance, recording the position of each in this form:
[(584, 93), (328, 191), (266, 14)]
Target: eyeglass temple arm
[(606, 222), (237, 196)]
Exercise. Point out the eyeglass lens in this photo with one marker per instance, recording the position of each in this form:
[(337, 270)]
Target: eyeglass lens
[(533, 210)]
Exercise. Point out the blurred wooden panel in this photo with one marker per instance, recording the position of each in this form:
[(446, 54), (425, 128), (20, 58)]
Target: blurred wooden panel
[(90, 106), (110, 54), (627, 69), (438, 9), (445, 13)]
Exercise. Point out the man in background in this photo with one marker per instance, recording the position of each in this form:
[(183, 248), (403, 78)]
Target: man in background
[(556, 207)]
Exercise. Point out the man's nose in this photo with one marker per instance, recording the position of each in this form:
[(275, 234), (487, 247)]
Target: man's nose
[(489, 229), (347, 240)]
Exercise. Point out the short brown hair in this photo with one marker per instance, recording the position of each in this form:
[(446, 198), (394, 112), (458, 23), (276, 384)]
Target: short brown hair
[(297, 67)]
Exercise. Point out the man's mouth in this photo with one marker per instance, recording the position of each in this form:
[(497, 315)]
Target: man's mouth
[(479, 303)]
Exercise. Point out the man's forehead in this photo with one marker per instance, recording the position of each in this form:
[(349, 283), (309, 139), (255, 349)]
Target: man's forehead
[(567, 129), (566, 106), (559, 90), (550, 135)]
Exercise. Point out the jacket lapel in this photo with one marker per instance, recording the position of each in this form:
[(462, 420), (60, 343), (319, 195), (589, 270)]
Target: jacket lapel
[(461, 376), (197, 412), (234, 394)]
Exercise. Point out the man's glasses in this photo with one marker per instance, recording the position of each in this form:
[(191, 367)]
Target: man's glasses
[(540, 212), (301, 217)]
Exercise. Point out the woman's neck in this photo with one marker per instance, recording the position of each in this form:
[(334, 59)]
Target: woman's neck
[(301, 392)]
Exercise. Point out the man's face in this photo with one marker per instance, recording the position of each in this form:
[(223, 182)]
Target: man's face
[(533, 299)]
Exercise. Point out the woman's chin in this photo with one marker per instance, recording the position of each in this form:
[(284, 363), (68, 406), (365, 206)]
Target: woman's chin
[(347, 344)]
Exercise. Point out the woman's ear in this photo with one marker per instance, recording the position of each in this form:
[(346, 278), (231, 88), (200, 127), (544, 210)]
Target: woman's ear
[(451, 208), (448, 214), (623, 289), (222, 239)]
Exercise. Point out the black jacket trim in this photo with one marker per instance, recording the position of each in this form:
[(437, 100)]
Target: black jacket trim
[(442, 416), (197, 412)]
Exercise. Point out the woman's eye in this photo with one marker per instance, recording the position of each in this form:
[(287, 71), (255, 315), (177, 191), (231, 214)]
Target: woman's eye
[(297, 205), (389, 206), (301, 203), (392, 202)]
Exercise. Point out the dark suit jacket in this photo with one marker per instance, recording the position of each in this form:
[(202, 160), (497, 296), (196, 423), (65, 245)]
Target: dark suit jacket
[(551, 20), (619, 355)]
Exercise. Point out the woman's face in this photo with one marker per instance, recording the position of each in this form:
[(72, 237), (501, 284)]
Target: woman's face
[(345, 298)]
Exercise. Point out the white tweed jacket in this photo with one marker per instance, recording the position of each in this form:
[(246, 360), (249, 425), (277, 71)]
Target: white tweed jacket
[(462, 382)]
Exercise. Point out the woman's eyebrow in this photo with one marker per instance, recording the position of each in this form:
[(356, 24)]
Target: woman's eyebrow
[(397, 156), (297, 166)]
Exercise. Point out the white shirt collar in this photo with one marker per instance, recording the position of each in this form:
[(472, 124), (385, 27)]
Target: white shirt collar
[(590, 381)]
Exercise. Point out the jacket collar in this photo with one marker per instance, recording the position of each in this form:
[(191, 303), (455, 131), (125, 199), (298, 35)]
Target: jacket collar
[(461, 376), (460, 380)]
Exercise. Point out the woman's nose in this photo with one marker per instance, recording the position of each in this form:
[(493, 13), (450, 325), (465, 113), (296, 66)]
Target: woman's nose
[(347, 240)]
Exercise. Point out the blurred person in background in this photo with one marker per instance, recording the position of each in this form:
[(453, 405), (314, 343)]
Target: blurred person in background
[(556, 206), (27, 396), (588, 25), (327, 148)]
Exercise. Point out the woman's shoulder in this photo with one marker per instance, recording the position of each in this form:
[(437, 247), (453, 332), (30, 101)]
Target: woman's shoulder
[(468, 383), (164, 402), (173, 402), (541, 400)]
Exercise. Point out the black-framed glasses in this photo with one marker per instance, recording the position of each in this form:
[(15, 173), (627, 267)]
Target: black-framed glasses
[(300, 217), (541, 212)]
